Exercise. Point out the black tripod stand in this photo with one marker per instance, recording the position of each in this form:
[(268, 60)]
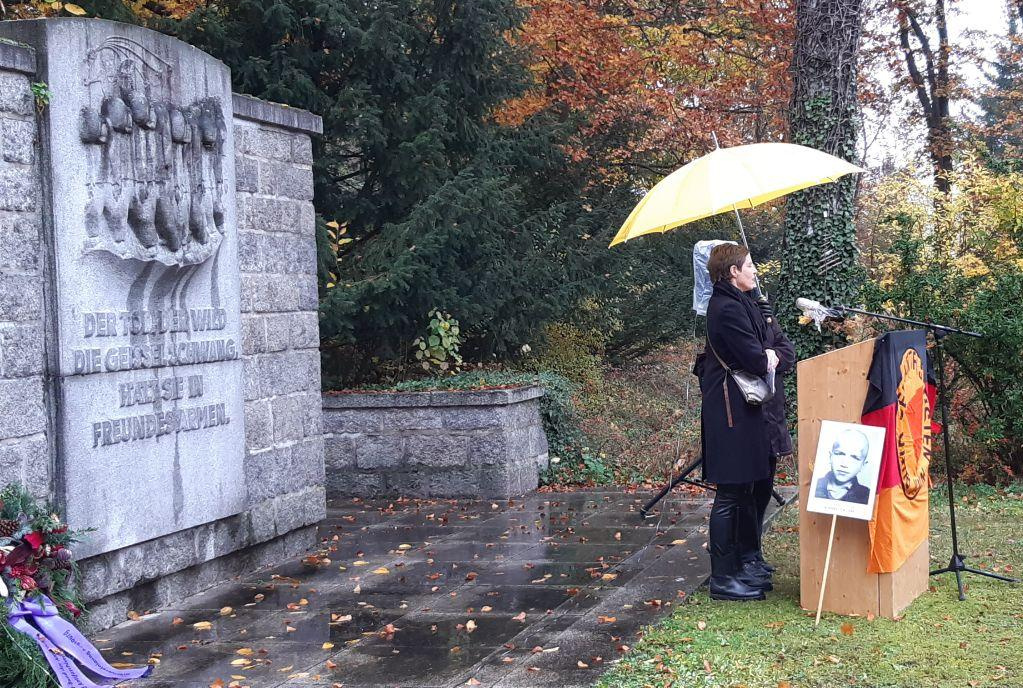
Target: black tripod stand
[(957, 564), (683, 477)]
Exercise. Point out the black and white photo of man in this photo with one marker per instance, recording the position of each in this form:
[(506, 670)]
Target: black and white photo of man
[(848, 456)]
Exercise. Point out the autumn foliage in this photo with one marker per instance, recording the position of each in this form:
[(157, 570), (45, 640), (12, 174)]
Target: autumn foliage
[(649, 81)]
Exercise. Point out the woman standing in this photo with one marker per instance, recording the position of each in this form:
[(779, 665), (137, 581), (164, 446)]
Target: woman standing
[(736, 441)]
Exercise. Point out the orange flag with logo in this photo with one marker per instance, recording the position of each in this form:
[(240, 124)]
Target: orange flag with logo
[(900, 399)]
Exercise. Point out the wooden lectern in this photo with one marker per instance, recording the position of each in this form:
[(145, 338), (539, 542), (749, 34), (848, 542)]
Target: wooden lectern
[(833, 386)]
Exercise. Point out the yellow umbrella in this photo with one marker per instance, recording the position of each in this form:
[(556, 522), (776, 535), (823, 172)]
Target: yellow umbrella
[(730, 179)]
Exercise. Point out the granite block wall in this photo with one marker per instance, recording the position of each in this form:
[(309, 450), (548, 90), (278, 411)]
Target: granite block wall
[(283, 470), (485, 443), (24, 449)]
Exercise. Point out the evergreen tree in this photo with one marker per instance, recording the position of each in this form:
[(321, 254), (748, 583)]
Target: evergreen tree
[(424, 201)]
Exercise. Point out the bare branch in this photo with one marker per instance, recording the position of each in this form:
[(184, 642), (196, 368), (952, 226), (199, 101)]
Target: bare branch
[(925, 46), (914, 71)]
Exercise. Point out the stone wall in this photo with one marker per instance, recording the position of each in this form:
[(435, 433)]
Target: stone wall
[(266, 459), (284, 471), (24, 452), (486, 443)]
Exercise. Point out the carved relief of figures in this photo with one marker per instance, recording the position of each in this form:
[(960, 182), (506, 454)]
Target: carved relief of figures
[(156, 190)]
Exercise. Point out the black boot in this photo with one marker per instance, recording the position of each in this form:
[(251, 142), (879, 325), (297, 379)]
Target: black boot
[(755, 577), (732, 589), (751, 530), (725, 582), (762, 563)]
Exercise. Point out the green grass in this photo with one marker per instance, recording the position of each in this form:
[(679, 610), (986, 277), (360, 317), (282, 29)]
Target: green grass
[(939, 641)]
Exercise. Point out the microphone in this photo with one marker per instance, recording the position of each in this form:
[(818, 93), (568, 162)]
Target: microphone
[(809, 306), (816, 312)]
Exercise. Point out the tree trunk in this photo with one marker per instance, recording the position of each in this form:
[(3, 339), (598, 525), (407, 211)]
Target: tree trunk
[(930, 80), (819, 253)]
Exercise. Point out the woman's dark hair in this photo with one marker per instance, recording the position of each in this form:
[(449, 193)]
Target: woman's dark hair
[(722, 258)]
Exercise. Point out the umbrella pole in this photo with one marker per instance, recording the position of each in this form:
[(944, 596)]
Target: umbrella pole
[(757, 292)]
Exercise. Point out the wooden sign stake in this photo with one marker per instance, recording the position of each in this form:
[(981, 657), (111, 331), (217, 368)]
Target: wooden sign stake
[(827, 564)]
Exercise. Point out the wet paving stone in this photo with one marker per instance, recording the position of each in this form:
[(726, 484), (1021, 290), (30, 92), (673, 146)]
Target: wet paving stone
[(319, 627), (178, 627), (511, 531), (431, 665), (275, 595), (509, 599), (610, 552), (539, 591), (547, 573), (418, 577), (349, 600), (488, 629), (477, 551)]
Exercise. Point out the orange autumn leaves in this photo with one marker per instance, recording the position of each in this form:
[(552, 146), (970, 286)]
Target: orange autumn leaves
[(650, 78)]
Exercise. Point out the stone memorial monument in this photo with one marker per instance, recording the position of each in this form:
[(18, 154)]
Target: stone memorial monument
[(162, 285)]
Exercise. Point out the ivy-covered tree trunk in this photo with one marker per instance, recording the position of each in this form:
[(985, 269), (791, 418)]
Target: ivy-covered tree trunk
[(819, 258)]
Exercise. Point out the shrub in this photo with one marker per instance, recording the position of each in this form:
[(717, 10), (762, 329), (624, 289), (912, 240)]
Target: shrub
[(958, 260), (571, 352), (439, 349)]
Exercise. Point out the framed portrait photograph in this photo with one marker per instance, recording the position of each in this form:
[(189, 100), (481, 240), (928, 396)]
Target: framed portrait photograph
[(845, 470)]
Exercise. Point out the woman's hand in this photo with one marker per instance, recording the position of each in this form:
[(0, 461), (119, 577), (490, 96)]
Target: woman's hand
[(772, 359)]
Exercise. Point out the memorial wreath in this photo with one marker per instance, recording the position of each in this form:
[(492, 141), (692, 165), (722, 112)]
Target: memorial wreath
[(39, 644)]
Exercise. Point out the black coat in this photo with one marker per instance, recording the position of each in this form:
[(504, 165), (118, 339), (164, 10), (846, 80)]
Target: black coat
[(774, 410), (736, 436)]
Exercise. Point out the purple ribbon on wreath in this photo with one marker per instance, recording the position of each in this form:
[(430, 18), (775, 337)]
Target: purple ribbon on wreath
[(65, 648)]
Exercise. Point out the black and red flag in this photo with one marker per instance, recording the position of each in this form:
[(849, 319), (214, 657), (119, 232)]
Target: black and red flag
[(900, 397)]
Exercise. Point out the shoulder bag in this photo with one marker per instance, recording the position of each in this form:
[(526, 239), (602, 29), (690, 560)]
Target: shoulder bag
[(754, 388)]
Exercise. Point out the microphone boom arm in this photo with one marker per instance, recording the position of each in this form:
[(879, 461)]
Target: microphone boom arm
[(938, 330)]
